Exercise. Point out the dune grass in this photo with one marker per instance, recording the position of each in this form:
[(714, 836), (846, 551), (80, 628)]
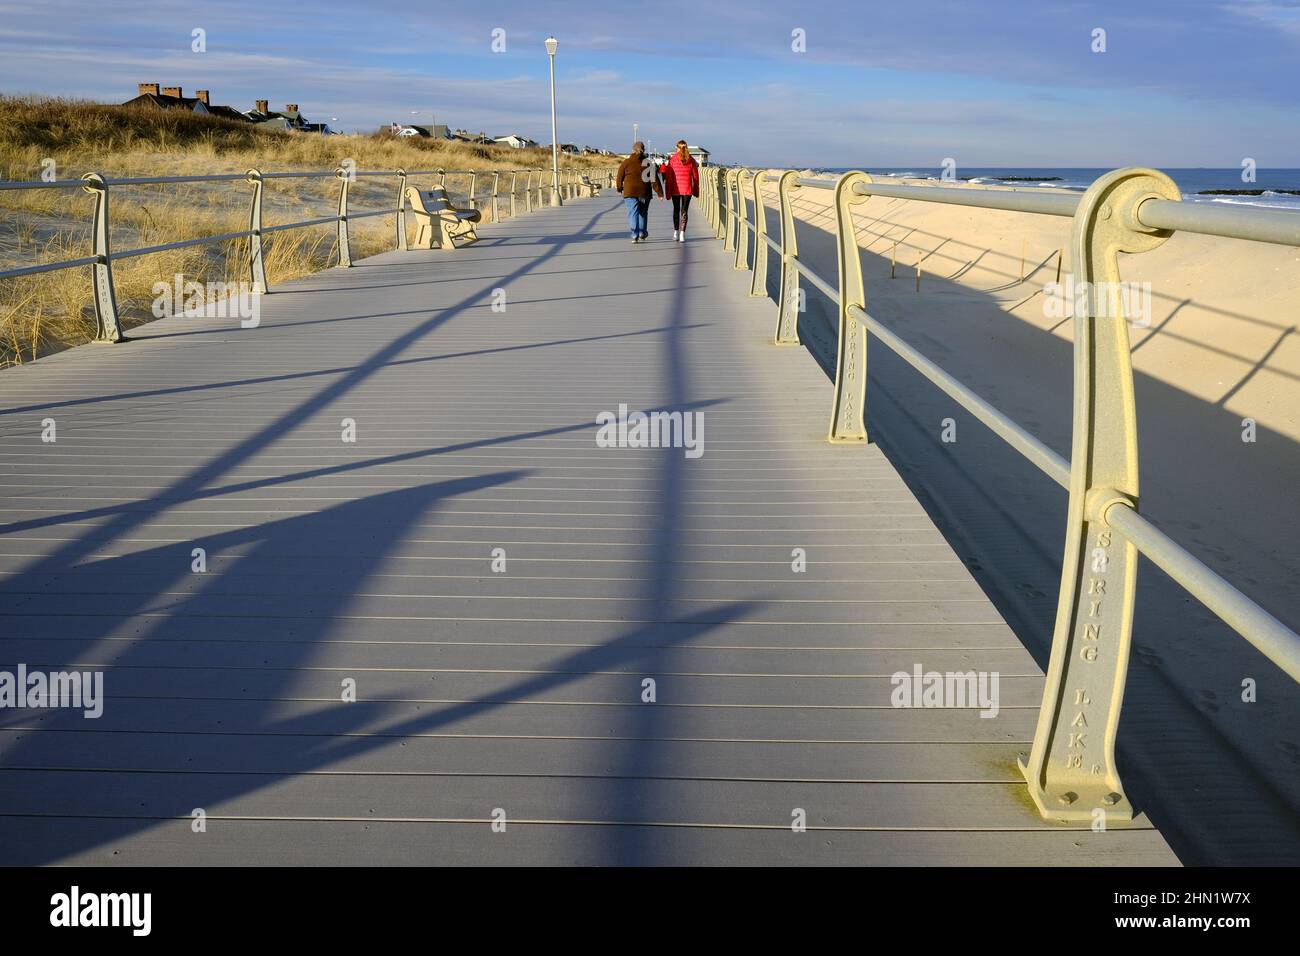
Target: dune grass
[(53, 310)]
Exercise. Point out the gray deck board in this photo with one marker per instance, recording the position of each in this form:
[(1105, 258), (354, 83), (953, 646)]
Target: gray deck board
[(477, 690)]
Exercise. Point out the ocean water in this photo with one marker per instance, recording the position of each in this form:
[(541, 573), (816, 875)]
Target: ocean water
[(1272, 187)]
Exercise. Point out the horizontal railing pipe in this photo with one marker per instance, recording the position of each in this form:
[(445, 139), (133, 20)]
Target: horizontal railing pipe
[(181, 244), (1279, 226), (807, 272), (49, 267), (1269, 635), (38, 184), (1047, 461)]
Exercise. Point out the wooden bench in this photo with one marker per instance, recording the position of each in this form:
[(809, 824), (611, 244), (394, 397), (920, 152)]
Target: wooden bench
[(439, 221), (590, 188)]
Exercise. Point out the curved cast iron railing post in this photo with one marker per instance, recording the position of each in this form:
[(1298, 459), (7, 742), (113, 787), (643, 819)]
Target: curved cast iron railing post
[(1071, 767), (848, 412), (787, 307), (721, 227), (442, 177), (473, 202), (528, 190), (496, 181), (729, 227), (705, 204), (402, 246), (758, 284), (720, 205), (742, 222), (255, 262), (514, 176), (108, 326), (345, 248), (715, 202)]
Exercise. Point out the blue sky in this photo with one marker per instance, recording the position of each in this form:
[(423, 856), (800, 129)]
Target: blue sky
[(1181, 83)]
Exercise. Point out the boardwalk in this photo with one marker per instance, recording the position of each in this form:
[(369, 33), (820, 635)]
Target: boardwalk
[(484, 691)]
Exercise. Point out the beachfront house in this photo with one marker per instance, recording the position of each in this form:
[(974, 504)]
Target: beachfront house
[(514, 140), (168, 98), (288, 119), (700, 153), (437, 131), (150, 95)]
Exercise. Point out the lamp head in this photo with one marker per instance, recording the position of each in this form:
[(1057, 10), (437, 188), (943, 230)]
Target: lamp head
[(552, 45)]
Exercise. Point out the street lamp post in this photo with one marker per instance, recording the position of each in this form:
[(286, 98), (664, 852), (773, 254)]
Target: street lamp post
[(551, 45)]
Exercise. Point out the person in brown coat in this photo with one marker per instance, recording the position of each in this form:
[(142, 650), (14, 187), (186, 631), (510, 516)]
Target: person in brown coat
[(638, 181)]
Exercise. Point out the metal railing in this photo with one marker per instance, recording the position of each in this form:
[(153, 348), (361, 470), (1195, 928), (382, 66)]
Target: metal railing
[(1071, 767), (108, 325)]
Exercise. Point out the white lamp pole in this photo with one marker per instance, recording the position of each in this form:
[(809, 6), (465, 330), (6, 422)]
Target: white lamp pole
[(551, 45)]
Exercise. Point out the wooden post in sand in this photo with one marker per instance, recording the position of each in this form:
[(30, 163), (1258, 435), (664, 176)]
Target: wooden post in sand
[(893, 259), (918, 270), (1060, 254), (1022, 260)]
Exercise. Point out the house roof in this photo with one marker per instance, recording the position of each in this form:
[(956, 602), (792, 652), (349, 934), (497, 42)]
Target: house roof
[(229, 112), (168, 102)]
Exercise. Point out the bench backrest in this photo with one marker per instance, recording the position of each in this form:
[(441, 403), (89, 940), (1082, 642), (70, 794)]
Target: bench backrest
[(429, 200)]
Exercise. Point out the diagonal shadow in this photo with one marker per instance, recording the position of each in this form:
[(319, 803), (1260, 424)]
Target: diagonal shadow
[(330, 734), (160, 503)]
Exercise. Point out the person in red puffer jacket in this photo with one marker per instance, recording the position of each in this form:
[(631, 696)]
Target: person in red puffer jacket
[(681, 182)]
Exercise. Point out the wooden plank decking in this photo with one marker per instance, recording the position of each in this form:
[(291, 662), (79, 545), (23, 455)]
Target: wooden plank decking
[(478, 690)]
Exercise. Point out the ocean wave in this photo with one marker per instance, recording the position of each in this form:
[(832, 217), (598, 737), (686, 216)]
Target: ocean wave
[(1268, 200)]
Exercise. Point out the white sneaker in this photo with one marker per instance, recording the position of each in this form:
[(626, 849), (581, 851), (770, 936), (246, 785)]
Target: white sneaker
[(674, 235), (682, 237)]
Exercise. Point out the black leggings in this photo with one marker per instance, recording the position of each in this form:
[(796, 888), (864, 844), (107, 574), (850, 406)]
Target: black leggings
[(680, 205)]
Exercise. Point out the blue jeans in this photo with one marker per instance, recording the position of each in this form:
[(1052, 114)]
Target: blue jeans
[(637, 215)]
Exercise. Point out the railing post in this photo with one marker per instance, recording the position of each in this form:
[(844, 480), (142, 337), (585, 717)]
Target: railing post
[(514, 175), (496, 181), (1071, 767), (715, 202), (729, 227), (720, 188), (473, 203), (742, 222), (345, 249), (528, 190), (848, 412), (442, 177), (401, 210), (255, 263), (758, 285), (787, 307), (108, 326)]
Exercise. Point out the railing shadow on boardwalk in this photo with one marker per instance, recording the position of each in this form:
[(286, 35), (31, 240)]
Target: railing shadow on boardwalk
[(1219, 790), (332, 733)]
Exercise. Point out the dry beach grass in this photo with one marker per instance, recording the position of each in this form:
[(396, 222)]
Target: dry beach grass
[(52, 310)]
